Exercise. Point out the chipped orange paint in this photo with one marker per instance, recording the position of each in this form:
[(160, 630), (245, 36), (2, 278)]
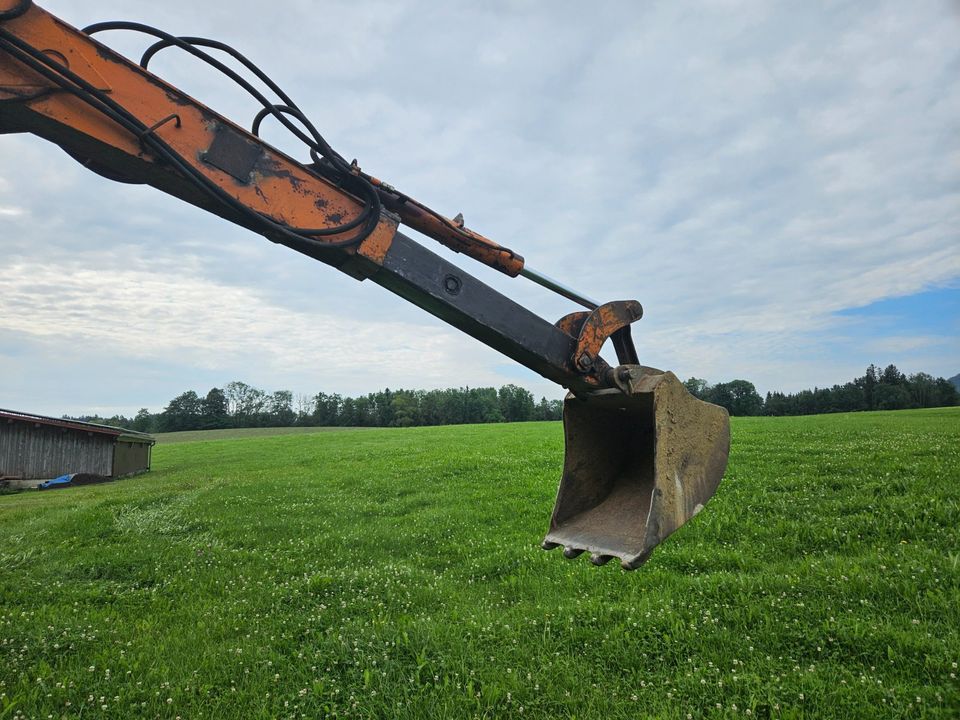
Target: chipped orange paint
[(604, 322), (465, 241), (446, 232), (377, 244), (279, 187), (572, 323)]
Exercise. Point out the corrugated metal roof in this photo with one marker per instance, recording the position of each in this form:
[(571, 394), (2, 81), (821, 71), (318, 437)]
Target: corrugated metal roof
[(129, 435)]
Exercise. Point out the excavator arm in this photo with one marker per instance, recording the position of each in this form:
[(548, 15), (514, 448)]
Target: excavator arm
[(642, 455)]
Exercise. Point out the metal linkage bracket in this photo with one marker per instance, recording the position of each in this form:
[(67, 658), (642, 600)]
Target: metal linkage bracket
[(592, 329)]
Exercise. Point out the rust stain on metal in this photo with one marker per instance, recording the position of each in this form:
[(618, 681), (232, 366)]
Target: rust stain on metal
[(572, 323), (601, 324), (447, 232)]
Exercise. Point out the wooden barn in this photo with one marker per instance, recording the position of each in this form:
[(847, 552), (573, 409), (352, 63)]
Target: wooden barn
[(34, 448)]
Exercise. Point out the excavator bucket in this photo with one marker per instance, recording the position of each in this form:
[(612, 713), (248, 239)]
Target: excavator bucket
[(640, 461)]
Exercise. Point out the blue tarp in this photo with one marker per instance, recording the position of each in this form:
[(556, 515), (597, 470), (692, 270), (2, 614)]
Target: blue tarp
[(72, 480), (62, 481)]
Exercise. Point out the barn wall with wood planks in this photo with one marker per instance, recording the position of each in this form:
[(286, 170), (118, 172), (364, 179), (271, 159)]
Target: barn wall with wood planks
[(130, 457), (28, 451)]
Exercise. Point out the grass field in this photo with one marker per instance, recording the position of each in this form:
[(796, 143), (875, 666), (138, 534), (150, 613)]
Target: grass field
[(396, 573), (242, 433)]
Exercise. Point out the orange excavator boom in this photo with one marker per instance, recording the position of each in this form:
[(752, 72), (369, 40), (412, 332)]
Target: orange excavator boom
[(642, 455)]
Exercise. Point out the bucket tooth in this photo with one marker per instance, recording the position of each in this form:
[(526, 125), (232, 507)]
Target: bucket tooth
[(640, 461)]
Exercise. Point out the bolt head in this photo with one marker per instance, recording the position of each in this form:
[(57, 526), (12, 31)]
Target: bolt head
[(452, 284)]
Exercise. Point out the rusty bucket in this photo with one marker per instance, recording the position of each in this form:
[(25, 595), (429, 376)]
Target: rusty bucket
[(640, 461)]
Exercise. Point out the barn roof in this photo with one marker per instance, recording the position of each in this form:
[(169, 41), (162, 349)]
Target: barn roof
[(107, 430)]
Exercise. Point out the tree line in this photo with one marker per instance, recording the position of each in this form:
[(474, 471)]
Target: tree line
[(238, 405), (887, 389)]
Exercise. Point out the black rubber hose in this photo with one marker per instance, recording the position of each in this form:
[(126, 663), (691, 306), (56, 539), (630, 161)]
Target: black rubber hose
[(18, 10), (66, 79)]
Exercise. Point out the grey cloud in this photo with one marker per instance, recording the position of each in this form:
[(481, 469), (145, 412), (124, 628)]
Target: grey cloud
[(745, 170)]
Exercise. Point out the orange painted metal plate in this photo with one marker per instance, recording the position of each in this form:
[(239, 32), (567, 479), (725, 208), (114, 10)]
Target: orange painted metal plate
[(279, 187)]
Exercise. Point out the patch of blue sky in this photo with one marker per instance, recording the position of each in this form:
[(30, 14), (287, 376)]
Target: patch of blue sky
[(934, 312)]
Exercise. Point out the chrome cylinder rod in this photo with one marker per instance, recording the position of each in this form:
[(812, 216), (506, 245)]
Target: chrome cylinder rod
[(559, 288)]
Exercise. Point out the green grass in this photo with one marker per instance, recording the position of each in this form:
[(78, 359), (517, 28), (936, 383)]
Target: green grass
[(396, 573), (240, 433)]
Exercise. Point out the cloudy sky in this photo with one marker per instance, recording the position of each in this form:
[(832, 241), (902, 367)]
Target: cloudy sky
[(777, 183)]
